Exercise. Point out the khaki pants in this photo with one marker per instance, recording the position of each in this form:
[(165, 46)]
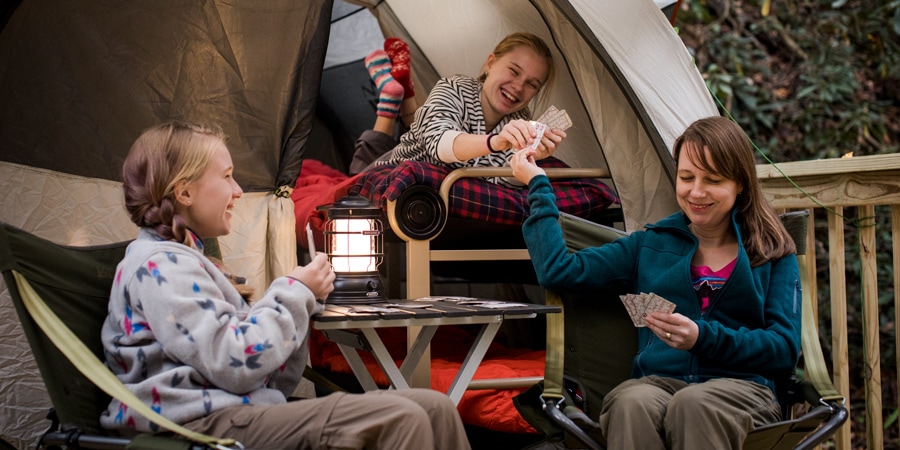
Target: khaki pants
[(394, 419), (664, 413)]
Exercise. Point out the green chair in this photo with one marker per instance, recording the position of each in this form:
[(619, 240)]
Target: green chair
[(73, 284), (590, 347)]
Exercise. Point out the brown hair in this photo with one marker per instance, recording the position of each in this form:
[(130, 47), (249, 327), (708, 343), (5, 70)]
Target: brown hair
[(160, 158), (522, 39), (730, 155)]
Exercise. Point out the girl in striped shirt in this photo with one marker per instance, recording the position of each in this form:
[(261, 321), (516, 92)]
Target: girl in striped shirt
[(465, 121)]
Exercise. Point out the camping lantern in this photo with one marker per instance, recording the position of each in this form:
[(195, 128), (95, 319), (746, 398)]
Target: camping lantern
[(354, 243)]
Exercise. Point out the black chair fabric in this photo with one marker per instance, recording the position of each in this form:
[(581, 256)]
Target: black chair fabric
[(75, 284)]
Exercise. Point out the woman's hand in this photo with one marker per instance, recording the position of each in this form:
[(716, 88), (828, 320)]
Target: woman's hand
[(514, 135), (317, 276), (674, 329), (524, 167), (549, 143), (519, 134)]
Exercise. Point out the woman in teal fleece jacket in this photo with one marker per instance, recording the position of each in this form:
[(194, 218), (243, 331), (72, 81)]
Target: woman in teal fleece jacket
[(704, 374)]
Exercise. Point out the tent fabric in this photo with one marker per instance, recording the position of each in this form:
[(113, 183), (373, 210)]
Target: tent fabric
[(107, 70)]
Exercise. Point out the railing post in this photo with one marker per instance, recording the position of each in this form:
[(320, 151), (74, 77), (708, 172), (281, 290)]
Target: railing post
[(837, 264), (895, 238), (871, 344)]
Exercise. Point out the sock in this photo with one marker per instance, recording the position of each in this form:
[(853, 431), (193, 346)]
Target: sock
[(398, 51), (390, 92)]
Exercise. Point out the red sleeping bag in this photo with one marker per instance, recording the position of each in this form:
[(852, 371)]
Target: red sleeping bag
[(492, 409)]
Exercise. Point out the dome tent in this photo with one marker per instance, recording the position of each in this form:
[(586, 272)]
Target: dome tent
[(82, 80)]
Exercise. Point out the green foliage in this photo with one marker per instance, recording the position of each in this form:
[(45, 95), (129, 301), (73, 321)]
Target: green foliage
[(815, 79)]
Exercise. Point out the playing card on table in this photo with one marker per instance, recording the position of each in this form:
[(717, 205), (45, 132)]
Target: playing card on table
[(555, 119)]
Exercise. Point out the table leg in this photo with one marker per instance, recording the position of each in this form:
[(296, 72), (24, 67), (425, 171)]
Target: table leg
[(384, 359), (473, 360), (417, 350), (418, 284), (359, 367)]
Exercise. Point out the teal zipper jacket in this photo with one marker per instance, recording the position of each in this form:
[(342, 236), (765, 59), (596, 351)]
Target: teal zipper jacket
[(750, 331)]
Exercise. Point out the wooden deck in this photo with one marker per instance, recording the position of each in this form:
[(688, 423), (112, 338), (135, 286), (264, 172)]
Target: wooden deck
[(851, 190)]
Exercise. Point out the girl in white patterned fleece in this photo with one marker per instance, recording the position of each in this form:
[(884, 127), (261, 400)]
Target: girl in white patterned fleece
[(181, 336), (468, 122)]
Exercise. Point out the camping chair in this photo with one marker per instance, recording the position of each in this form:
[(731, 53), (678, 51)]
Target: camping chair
[(60, 294), (567, 402)]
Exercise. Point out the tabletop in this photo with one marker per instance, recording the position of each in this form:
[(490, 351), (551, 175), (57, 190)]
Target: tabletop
[(420, 311)]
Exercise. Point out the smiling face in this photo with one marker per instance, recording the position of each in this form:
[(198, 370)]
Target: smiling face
[(511, 81), (206, 202), (705, 196)]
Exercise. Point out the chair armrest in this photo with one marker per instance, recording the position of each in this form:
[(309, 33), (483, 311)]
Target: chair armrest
[(420, 213), (553, 172), (581, 233)]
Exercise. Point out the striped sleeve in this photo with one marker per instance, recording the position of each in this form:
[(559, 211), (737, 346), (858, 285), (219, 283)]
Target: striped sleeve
[(454, 106)]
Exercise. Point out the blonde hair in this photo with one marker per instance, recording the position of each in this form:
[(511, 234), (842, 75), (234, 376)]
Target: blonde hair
[(162, 157), (159, 159), (730, 155), (535, 43)]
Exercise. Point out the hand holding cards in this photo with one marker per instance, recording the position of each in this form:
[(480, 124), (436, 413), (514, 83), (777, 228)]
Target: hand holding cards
[(639, 306), (552, 119)]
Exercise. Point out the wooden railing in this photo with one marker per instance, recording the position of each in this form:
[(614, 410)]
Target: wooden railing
[(837, 188)]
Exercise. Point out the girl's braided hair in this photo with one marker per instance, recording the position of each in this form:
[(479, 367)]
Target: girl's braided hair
[(163, 156)]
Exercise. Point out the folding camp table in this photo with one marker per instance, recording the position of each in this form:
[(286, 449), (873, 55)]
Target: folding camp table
[(353, 328)]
